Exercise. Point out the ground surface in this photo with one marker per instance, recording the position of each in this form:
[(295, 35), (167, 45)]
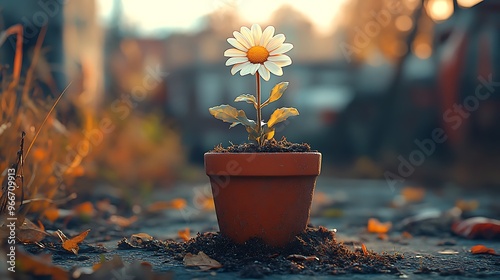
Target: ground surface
[(344, 205)]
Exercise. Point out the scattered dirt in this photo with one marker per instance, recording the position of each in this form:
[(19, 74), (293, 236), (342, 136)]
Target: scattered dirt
[(271, 146), (315, 252)]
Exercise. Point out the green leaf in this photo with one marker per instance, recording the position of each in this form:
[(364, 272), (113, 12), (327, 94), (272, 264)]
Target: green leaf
[(276, 93), (280, 115), (248, 98), (231, 115)]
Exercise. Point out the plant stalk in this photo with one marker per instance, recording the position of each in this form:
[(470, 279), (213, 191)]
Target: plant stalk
[(259, 111)]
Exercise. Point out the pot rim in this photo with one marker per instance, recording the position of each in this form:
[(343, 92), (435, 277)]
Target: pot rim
[(263, 164)]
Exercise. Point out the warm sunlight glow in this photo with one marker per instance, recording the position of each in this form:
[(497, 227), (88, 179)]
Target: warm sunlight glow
[(149, 16), (403, 23), (468, 3), (422, 50), (439, 10)]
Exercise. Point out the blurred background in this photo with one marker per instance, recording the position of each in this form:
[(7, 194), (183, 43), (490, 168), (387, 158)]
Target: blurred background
[(403, 91)]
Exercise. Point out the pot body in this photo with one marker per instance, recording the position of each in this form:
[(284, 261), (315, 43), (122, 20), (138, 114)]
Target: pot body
[(264, 195)]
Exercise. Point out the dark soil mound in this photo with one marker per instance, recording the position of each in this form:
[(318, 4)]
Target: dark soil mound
[(271, 146), (315, 252)]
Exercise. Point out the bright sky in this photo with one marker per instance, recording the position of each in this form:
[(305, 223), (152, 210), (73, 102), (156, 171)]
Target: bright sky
[(150, 16)]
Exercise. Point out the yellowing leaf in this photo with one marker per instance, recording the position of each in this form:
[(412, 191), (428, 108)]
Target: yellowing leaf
[(276, 93), (280, 115), (248, 98), (230, 114), (201, 260), (72, 244)]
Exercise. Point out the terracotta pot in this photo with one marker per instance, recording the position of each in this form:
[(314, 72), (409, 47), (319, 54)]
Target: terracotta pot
[(264, 195)]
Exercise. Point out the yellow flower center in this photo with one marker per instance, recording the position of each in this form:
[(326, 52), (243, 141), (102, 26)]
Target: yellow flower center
[(257, 54)]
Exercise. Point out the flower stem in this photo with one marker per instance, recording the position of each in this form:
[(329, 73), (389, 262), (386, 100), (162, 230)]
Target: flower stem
[(259, 113)]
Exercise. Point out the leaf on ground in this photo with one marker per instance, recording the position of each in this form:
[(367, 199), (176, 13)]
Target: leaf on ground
[(363, 248), (85, 209), (52, 213), (467, 205), (28, 232), (481, 249), (201, 260), (477, 227), (297, 257), (178, 203), (375, 226), (122, 221), (383, 236), (140, 238), (184, 234), (448, 252), (413, 194), (40, 266), (72, 244)]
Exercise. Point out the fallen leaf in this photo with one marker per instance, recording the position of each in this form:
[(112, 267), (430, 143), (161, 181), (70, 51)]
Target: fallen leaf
[(481, 249), (413, 194), (406, 235), (140, 238), (72, 244), (467, 205), (40, 265), (28, 232), (383, 236), (375, 226), (85, 209), (296, 257), (365, 251), (122, 221), (184, 234), (52, 213), (201, 260), (178, 203), (478, 227)]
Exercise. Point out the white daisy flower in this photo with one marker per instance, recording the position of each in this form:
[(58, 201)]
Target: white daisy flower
[(257, 51)]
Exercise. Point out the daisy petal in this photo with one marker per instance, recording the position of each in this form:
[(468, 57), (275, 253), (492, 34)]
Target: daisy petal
[(248, 35), (256, 33), (280, 60), (266, 35), (241, 39), (275, 42), (255, 68), (264, 73), (234, 52), (235, 43), (247, 69), (238, 67), (275, 69), (236, 60), (282, 49)]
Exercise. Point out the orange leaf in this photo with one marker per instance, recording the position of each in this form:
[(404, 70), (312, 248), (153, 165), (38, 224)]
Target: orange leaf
[(375, 226), (383, 236), (184, 234), (178, 203), (72, 244), (122, 221), (85, 209), (413, 194), (51, 214), (467, 205), (201, 260), (40, 265), (365, 251), (481, 249)]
